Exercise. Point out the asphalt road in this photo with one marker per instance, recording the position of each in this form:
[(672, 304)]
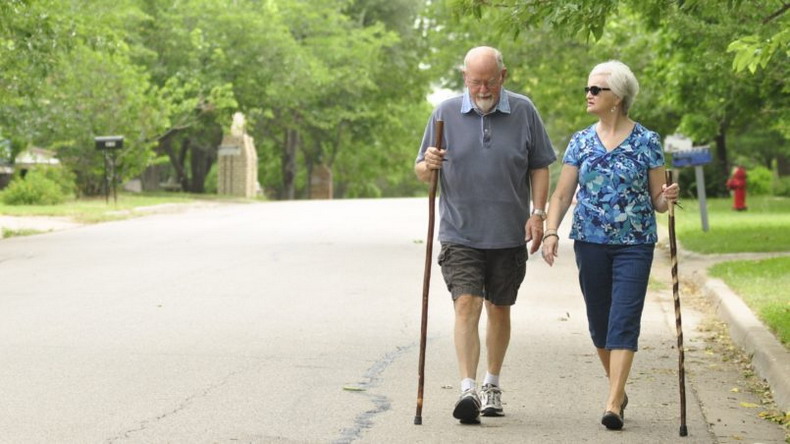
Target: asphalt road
[(299, 322)]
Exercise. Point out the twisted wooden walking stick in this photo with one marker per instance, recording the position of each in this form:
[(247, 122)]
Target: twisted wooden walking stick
[(673, 253), (426, 280)]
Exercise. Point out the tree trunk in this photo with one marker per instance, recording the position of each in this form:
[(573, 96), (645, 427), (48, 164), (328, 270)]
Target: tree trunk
[(309, 166), (289, 164), (721, 152), (181, 174), (199, 163), (166, 146), (782, 165)]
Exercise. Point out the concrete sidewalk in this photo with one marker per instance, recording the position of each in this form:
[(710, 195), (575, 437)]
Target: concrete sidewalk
[(43, 224)]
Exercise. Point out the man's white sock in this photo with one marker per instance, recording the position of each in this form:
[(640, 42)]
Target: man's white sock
[(468, 383), (491, 379)]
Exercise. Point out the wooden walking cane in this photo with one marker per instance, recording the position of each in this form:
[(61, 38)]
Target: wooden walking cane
[(426, 280), (673, 252)]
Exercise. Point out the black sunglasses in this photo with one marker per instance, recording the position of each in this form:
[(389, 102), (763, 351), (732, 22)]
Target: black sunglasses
[(595, 89)]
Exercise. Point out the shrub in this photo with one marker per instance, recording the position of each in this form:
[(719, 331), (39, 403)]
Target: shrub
[(34, 189), (65, 179), (781, 186), (759, 180), (210, 185)]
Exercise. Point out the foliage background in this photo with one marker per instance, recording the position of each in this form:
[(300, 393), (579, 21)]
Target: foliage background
[(344, 83)]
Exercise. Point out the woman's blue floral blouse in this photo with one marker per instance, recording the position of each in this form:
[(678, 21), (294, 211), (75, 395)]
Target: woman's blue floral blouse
[(613, 204)]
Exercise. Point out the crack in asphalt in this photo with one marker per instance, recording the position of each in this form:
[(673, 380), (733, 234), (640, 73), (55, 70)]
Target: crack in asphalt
[(181, 406), (381, 403)]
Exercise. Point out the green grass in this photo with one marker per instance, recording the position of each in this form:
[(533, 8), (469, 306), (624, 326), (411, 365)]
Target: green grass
[(763, 285), (7, 232), (98, 209), (765, 227)]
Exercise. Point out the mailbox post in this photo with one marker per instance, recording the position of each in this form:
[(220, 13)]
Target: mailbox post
[(683, 155), (109, 145)]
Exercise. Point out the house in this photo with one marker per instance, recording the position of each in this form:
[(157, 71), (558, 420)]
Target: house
[(33, 156)]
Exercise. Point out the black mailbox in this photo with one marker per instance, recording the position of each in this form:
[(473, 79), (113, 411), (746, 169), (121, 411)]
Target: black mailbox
[(109, 142)]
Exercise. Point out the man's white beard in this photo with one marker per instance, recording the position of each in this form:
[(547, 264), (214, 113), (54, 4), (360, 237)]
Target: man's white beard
[(485, 104)]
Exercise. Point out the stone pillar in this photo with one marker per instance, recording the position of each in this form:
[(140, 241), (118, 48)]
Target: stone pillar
[(237, 162), (321, 182)]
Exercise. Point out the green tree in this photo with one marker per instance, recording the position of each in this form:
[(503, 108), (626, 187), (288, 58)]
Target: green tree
[(383, 139), (770, 38), (714, 100), (30, 41), (78, 83), (95, 93), (675, 49), (336, 103), (184, 47), (335, 83)]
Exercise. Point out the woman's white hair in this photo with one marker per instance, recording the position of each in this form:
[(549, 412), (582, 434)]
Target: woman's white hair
[(621, 80)]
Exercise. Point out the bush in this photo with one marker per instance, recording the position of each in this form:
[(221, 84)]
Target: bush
[(781, 186), (759, 180), (34, 189), (66, 180), (210, 185)]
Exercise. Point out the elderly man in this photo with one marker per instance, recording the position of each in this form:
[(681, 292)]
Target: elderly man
[(495, 159)]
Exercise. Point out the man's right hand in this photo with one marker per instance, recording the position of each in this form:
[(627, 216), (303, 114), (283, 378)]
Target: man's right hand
[(434, 158)]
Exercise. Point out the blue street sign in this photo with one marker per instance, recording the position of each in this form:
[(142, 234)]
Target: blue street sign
[(694, 157)]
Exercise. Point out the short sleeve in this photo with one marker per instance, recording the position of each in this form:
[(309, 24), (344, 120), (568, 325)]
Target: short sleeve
[(542, 155), (571, 156), (656, 152)]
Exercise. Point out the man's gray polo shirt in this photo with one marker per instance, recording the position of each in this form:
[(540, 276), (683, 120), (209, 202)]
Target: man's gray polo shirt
[(485, 192)]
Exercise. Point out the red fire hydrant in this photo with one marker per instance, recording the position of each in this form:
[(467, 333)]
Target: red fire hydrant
[(737, 183)]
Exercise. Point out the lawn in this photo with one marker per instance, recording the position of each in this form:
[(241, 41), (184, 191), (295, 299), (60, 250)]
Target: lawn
[(764, 227), (763, 285), (100, 209)]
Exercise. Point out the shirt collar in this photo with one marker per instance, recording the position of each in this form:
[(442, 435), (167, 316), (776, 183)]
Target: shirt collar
[(503, 106)]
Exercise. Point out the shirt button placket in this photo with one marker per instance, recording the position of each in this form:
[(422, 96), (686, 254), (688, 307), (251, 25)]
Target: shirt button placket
[(486, 132)]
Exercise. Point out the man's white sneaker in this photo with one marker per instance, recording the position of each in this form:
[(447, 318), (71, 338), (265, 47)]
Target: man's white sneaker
[(491, 397), (467, 409)]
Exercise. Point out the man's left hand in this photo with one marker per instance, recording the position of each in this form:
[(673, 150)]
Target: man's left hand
[(534, 233)]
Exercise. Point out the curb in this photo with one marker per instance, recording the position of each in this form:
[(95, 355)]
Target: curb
[(770, 358)]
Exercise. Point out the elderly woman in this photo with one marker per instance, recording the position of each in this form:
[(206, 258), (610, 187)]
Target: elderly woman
[(618, 166)]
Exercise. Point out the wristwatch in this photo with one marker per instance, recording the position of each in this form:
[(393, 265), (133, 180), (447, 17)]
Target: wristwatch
[(540, 213)]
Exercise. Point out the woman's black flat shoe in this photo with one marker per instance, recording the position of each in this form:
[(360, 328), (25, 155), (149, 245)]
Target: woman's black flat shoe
[(622, 407), (612, 420)]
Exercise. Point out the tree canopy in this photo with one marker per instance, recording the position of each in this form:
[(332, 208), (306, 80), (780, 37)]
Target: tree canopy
[(321, 82), (690, 83), (343, 83)]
